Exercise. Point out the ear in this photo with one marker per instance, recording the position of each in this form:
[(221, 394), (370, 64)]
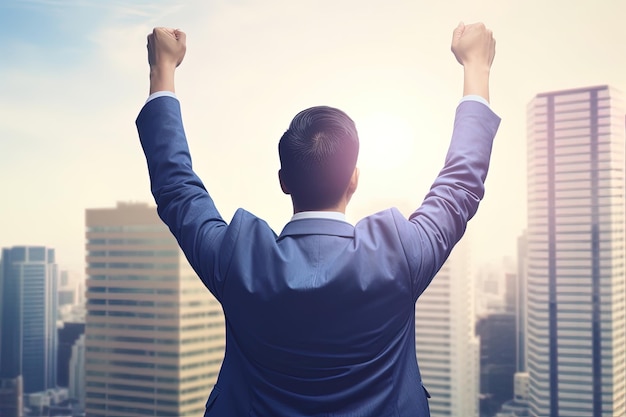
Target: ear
[(354, 182), (283, 186)]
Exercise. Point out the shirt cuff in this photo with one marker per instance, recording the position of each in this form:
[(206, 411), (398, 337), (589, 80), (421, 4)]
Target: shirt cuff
[(470, 97), (162, 94)]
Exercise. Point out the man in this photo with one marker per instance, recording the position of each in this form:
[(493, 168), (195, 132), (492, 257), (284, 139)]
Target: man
[(319, 319)]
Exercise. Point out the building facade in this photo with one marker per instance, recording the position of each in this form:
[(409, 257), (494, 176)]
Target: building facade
[(67, 336), (76, 372), (154, 334), (496, 332), (521, 301), (11, 397), (576, 347), (518, 406), (447, 348), (28, 317)]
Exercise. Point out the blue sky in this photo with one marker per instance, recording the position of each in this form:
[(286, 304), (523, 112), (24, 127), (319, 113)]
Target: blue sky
[(55, 33), (73, 76)]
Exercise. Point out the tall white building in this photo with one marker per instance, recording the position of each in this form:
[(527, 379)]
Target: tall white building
[(576, 346), (445, 340), (77, 372), (154, 336), (521, 302)]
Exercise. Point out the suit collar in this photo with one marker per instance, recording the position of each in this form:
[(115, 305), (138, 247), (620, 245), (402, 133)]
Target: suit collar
[(317, 226)]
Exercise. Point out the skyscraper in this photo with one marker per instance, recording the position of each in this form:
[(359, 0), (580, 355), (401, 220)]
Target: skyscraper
[(575, 272), (76, 372), (11, 397), (496, 332), (446, 345), (29, 311), (67, 336), (154, 334), (521, 315)]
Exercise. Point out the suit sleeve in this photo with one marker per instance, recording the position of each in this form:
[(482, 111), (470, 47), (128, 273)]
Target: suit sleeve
[(440, 222), (183, 202)]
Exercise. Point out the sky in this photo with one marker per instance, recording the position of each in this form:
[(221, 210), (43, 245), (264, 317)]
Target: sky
[(74, 75)]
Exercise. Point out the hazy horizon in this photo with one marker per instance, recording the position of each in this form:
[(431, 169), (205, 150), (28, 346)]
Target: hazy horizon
[(74, 77)]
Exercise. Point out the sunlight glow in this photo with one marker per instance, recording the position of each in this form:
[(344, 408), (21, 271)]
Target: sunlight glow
[(387, 141)]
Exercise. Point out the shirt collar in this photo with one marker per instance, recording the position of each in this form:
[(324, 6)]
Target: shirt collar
[(333, 215)]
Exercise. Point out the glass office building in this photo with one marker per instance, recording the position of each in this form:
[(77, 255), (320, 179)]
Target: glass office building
[(576, 346), (28, 311)]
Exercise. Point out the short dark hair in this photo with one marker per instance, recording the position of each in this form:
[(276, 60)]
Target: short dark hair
[(318, 155)]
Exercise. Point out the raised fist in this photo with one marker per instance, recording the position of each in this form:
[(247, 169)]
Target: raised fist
[(166, 47), (473, 45)]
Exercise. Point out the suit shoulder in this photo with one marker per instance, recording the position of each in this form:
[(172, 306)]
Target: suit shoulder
[(390, 214), (250, 222), (390, 219)]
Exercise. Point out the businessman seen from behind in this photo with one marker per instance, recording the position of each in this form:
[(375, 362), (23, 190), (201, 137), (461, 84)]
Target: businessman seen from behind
[(320, 318)]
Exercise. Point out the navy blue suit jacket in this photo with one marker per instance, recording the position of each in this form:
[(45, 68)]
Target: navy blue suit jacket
[(319, 319)]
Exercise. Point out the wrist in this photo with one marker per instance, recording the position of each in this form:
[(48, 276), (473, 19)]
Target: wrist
[(162, 78), (476, 69), (476, 80)]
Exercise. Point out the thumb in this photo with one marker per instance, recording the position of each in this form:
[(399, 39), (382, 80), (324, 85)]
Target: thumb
[(180, 35), (458, 30)]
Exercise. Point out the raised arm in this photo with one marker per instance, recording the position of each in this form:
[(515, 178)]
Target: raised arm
[(182, 200), (441, 220)]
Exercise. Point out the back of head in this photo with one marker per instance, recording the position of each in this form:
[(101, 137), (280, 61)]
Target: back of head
[(318, 155)]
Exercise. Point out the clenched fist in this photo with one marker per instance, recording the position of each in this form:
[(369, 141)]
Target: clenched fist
[(166, 47), (166, 50), (473, 45)]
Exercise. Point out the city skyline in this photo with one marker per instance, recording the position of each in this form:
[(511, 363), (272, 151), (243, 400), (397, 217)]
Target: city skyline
[(608, 106), (75, 78)]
